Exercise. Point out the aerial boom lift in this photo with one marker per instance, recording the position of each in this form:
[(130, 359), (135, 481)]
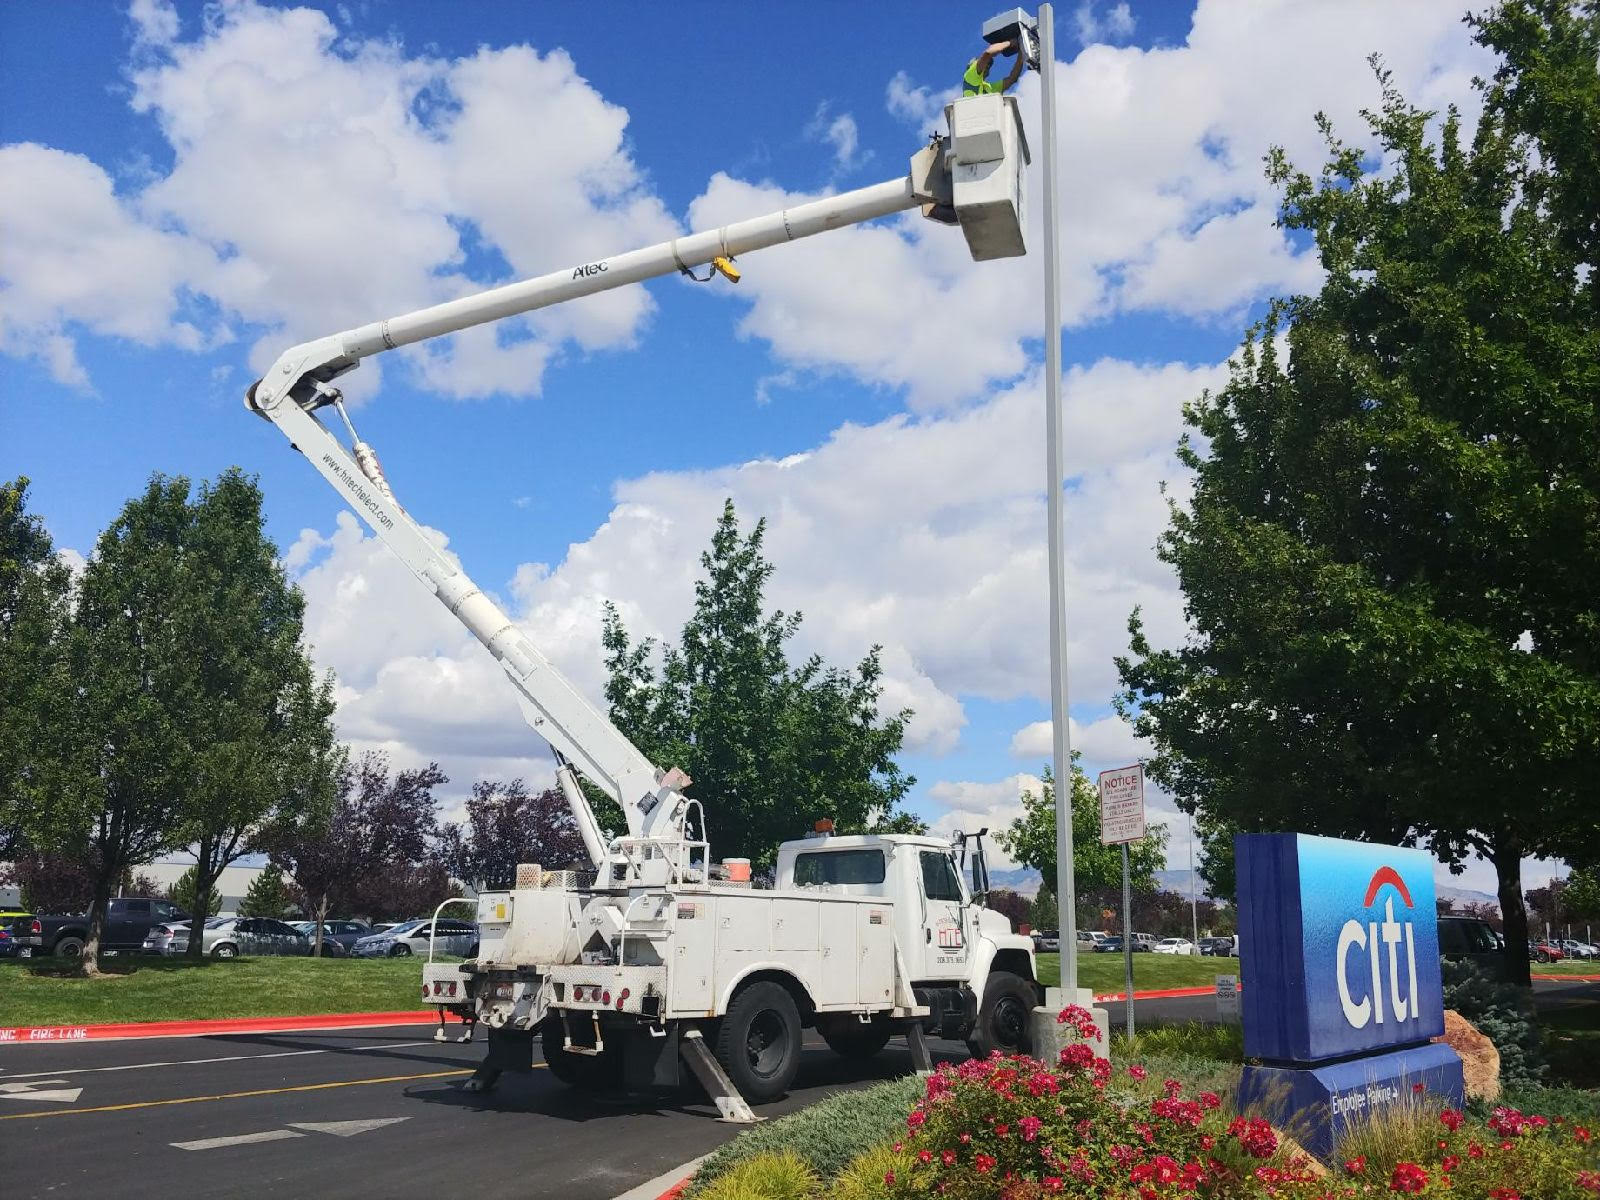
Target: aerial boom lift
[(661, 955)]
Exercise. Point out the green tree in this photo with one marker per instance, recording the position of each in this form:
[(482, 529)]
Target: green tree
[(1097, 869), (202, 905), (267, 895), (1044, 913), (261, 737), (771, 747), (35, 588), (1389, 558)]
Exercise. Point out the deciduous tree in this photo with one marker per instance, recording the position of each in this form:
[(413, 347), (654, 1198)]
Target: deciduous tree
[(1389, 557), (507, 824), (771, 747)]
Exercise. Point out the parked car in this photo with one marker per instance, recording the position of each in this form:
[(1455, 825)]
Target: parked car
[(1576, 949), (229, 937), (337, 936), (1472, 939), (1111, 944), (1143, 943), (19, 937), (1217, 947), (411, 937), (128, 921), (1545, 952), (1175, 945), (1046, 941)]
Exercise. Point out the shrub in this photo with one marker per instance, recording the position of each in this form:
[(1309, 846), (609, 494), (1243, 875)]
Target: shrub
[(764, 1177), (826, 1135), (863, 1176), (1503, 1013)]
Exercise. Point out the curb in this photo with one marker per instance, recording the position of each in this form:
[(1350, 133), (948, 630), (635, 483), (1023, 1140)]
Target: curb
[(675, 1181), (1162, 993), (17, 1035), (1568, 978)]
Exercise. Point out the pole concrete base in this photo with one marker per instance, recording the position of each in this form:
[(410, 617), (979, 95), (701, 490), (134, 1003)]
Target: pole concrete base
[(1050, 1037)]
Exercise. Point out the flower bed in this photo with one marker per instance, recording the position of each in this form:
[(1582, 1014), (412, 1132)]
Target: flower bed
[(1014, 1128)]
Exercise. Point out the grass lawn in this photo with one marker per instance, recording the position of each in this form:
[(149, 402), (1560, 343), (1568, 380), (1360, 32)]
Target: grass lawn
[(1567, 966), (165, 989), (1103, 972)]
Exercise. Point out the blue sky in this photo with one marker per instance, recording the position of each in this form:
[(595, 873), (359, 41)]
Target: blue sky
[(184, 192)]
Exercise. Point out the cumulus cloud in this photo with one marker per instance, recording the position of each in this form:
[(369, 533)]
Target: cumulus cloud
[(1115, 25), (1105, 742), (919, 106), (841, 135), (321, 181)]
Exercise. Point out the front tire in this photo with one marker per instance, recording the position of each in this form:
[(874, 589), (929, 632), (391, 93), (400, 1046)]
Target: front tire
[(1008, 1002), (400, 951), (69, 947), (758, 1042), (225, 951)]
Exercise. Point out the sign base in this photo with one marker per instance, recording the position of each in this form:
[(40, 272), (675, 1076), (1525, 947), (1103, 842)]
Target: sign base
[(1317, 1105)]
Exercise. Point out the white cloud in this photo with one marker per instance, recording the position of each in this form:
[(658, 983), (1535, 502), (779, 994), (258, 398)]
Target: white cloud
[(921, 107), (1105, 742), (76, 255), (322, 181), (1116, 26), (971, 806), (840, 133)]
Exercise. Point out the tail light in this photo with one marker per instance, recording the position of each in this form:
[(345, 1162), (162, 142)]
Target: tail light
[(37, 928)]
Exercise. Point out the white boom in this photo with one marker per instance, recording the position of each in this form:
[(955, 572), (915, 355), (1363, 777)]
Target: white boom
[(981, 191)]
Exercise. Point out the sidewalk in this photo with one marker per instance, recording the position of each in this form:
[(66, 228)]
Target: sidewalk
[(18, 1034)]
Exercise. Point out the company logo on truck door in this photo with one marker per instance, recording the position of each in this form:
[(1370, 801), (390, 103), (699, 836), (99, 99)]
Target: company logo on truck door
[(1369, 952)]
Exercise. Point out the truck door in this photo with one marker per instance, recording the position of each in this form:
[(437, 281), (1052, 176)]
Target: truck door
[(127, 921), (945, 945)]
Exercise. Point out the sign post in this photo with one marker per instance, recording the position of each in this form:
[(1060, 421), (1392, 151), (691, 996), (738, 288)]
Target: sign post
[(1121, 822)]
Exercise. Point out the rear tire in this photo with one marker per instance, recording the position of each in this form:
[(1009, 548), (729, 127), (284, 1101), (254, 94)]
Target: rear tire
[(400, 951), (225, 951), (1008, 1003), (588, 1071), (69, 947), (852, 1039), (758, 1042)]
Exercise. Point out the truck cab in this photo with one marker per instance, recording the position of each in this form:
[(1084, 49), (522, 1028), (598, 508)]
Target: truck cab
[(978, 979)]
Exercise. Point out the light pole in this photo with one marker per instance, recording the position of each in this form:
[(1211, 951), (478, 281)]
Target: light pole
[(1194, 908), (1066, 890)]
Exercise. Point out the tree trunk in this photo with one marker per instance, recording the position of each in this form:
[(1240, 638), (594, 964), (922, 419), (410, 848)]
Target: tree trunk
[(202, 894), (89, 960), (1508, 871), (322, 916)]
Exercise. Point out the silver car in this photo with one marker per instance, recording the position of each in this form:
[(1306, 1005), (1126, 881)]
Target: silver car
[(229, 937), (411, 937)]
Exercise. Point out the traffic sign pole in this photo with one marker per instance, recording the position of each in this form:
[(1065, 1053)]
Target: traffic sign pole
[(1127, 937)]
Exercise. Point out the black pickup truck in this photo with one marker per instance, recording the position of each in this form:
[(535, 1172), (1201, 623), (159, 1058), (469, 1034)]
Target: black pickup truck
[(128, 920)]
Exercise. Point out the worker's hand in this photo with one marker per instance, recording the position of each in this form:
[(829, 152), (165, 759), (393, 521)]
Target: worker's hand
[(1000, 48)]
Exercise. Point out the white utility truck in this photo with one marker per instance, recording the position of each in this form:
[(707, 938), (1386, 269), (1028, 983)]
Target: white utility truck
[(652, 954)]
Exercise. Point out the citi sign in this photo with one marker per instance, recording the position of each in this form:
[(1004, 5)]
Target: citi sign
[(1341, 947), (1376, 943)]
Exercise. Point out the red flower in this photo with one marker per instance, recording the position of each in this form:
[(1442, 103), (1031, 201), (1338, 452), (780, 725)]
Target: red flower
[(1505, 1194), (984, 1163), (1408, 1177), (1450, 1162), (924, 1157), (1451, 1119), (1356, 1165), (888, 1178), (1210, 1100), (1474, 1150), (1417, 1088), (1137, 1072), (1580, 1132), (947, 1157), (1052, 1183), (1030, 1127), (1590, 1180)]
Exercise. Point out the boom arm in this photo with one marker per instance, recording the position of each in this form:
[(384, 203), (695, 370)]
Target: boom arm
[(297, 385)]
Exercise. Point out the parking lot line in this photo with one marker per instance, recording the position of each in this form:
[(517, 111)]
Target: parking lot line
[(301, 1087), (241, 1139), (199, 1062)]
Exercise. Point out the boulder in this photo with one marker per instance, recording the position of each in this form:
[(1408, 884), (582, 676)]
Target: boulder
[(1480, 1061)]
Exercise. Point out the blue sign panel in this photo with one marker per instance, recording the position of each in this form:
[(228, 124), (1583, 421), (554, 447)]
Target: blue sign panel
[(1319, 1104), (1339, 944)]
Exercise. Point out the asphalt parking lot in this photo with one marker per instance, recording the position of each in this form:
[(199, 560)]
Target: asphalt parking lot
[(373, 1113)]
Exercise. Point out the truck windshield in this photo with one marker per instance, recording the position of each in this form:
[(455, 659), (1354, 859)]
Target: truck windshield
[(838, 866)]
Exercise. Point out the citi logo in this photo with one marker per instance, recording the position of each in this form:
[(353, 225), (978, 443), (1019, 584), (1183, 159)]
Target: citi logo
[(1380, 942)]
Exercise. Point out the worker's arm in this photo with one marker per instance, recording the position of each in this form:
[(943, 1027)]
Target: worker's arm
[(1017, 67)]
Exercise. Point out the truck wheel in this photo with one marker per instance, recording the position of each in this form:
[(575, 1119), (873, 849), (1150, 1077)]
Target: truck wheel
[(758, 1042), (1002, 1025), (400, 951), (69, 947), (225, 950), (589, 1071), (852, 1039)]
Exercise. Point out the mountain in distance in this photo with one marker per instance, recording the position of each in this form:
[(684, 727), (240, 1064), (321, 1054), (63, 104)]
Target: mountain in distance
[(1022, 880)]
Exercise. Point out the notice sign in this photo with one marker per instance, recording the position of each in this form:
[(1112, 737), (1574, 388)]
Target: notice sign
[(1122, 805), (1228, 998)]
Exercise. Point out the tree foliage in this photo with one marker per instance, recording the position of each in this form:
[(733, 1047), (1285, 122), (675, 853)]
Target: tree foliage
[(1011, 905), (771, 747), (35, 588), (373, 853), (1097, 869), (1390, 554), (506, 824), (267, 895), (186, 894)]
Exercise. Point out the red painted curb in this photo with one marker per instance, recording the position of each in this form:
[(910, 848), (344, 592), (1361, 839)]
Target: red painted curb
[(1163, 993), (676, 1190), (1574, 978), (16, 1035)]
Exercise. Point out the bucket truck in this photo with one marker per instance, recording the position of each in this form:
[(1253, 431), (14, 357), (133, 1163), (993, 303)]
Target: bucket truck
[(653, 955)]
